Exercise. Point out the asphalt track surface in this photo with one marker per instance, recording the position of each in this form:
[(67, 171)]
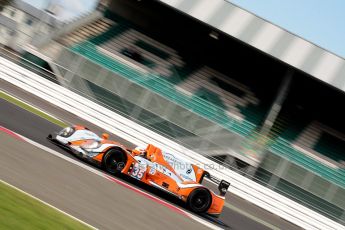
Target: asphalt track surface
[(93, 199)]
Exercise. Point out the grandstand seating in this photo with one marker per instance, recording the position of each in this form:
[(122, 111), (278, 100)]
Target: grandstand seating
[(318, 138), (161, 56), (167, 89), (218, 87), (286, 150), (198, 88), (165, 61), (88, 31)]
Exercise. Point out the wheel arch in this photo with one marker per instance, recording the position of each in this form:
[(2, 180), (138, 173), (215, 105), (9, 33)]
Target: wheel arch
[(107, 151), (112, 151), (198, 190)]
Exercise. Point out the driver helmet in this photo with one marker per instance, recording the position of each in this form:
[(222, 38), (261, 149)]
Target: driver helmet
[(139, 151)]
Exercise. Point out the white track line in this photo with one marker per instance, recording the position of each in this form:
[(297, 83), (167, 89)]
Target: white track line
[(49, 205)]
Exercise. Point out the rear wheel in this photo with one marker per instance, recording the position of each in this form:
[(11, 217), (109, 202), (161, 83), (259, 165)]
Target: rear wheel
[(114, 161), (199, 200)]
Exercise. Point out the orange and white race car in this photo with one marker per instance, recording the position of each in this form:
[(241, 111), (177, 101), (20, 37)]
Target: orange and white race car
[(150, 165)]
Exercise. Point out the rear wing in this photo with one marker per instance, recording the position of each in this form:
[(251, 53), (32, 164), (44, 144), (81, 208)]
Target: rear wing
[(223, 185)]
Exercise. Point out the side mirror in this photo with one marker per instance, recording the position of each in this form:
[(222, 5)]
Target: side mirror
[(223, 187), (105, 136)]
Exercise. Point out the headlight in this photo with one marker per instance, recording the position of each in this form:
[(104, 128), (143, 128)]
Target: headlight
[(66, 132), (92, 145)]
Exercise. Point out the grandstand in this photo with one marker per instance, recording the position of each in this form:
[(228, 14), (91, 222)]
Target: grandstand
[(212, 92)]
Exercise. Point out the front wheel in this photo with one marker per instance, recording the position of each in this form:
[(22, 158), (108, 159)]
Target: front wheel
[(114, 161), (199, 201)]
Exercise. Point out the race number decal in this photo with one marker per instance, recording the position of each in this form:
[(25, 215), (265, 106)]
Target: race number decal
[(137, 171)]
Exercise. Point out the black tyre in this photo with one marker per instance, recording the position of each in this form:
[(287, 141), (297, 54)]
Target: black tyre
[(199, 201), (114, 161)]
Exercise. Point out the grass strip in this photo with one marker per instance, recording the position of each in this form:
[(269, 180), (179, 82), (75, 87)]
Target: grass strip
[(20, 211)]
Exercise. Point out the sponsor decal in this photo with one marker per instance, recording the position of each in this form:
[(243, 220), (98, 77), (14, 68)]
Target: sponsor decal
[(152, 171)]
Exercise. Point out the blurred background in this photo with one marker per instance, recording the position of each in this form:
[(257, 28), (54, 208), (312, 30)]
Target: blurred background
[(267, 108)]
